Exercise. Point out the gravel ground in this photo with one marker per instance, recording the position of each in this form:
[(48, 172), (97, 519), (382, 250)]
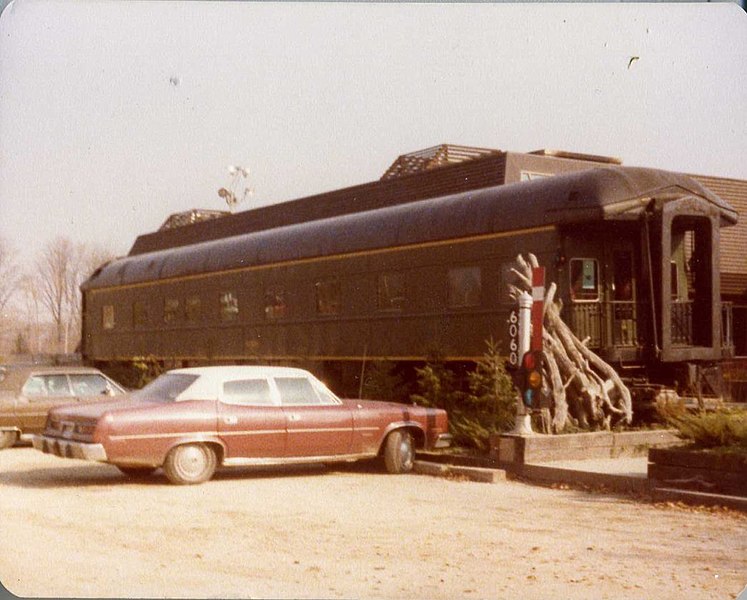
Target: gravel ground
[(77, 529)]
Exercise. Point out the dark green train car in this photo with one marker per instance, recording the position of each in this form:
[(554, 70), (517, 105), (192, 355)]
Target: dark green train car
[(634, 253)]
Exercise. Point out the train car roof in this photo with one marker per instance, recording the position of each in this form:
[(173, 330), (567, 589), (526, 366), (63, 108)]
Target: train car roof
[(599, 194)]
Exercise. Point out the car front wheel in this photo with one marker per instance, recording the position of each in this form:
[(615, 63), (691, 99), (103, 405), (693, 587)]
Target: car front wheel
[(190, 463), (399, 452), (8, 438)]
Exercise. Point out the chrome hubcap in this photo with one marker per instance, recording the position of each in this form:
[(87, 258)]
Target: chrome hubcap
[(191, 461)]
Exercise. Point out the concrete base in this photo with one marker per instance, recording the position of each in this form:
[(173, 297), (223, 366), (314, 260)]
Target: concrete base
[(471, 473)]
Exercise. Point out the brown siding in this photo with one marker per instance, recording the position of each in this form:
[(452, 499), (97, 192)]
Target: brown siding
[(734, 238)]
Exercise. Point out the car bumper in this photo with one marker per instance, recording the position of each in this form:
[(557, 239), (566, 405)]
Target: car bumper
[(443, 440), (69, 448)]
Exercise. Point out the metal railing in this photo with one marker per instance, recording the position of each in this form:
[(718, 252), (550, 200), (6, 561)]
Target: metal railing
[(625, 324), (615, 323)]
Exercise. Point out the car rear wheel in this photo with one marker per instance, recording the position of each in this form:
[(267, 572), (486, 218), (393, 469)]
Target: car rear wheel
[(137, 471), (8, 438), (190, 464), (399, 452)]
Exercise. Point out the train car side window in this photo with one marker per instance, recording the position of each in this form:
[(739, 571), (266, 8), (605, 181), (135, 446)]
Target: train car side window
[(465, 287), (275, 306), (328, 297), (390, 291), (584, 273), (170, 310), (139, 313), (229, 306), (107, 316), (193, 309)]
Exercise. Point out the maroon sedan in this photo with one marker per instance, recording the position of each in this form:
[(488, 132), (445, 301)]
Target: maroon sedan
[(189, 421)]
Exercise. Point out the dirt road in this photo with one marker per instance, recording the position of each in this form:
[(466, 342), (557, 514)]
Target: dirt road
[(72, 528)]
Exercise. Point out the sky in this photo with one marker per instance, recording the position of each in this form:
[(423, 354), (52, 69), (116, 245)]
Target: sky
[(115, 114)]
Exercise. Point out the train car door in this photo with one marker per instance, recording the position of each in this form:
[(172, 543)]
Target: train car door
[(620, 294)]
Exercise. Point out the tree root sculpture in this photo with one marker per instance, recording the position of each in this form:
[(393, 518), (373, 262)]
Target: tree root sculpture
[(585, 391)]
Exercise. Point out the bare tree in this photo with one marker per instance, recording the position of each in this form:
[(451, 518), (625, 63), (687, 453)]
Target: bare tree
[(9, 272), (86, 259), (61, 267), (53, 266), (31, 302)]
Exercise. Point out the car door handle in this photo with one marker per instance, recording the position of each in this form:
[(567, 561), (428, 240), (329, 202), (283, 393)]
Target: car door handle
[(230, 420)]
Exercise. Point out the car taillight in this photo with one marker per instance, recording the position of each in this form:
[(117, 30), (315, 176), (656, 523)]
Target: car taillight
[(84, 429)]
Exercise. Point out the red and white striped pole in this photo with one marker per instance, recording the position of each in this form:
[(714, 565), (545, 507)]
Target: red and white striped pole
[(530, 339), (538, 306)]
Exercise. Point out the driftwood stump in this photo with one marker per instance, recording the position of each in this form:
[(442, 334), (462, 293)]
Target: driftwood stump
[(585, 391)]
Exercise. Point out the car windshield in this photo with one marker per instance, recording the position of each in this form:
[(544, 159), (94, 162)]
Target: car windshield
[(166, 388)]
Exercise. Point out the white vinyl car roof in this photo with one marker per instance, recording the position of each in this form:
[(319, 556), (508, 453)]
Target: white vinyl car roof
[(209, 382)]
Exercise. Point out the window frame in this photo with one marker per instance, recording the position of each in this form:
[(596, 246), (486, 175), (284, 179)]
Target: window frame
[(328, 297), (108, 320), (394, 302), (597, 282), (228, 307), (140, 316), (275, 303), (461, 300), (171, 308)]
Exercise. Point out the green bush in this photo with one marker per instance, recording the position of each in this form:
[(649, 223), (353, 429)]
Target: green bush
[(480, 401), (726, 429)]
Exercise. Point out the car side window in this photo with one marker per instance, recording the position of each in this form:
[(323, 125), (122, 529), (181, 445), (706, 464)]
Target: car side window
[(253, 392), (57, 385), (34, 386), (296, 390), (91, 385)]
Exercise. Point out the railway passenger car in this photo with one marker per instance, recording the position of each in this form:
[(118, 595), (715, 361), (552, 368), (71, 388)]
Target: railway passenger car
[(634, 252)]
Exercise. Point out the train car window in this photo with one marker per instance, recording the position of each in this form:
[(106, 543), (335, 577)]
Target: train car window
[(193, 309), (465, 287), (229, 306), (622, 263), (584, 273), (328, 297), (107, 316), (390, 294), (275, 306), (254, 392), (170, 310), (674, 281), (139, 313)]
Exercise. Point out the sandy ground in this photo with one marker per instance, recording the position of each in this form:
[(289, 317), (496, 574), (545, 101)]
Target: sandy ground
[(77, 529)]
